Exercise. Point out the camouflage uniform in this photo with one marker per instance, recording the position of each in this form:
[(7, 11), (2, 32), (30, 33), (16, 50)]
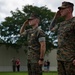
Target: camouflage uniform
[(66, 40), (66, 47), (34, 37)]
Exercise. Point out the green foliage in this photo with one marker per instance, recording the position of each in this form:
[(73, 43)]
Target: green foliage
[(11, 26)]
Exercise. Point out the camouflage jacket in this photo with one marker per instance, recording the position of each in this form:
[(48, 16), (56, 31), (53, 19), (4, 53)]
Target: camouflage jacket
[(34, 36), (66, 40)]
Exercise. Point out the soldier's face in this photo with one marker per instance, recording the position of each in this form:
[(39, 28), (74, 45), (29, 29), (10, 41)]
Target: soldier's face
[(33, 22), (64, 11)]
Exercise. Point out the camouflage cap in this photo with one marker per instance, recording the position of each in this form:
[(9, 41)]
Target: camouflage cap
[(33, 16), (66, 4)]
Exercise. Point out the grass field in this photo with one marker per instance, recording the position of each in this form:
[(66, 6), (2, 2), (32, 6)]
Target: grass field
[(25, 73)]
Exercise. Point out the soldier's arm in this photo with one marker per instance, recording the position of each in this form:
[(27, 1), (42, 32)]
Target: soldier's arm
[(23, 28), (42, 42), (42, 49), (54, 21), (52, 25)]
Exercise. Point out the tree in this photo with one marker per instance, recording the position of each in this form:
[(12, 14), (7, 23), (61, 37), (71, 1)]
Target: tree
[(11, 26)]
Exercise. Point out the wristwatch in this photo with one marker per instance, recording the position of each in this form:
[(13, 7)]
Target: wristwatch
[(41, 59)]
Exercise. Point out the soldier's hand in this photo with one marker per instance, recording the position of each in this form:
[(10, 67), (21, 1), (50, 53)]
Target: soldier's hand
[(40, 62), (57, 15), (26, 22), (74, 62)]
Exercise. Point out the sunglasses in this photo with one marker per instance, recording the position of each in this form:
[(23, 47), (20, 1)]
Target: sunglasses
[(63, 8)]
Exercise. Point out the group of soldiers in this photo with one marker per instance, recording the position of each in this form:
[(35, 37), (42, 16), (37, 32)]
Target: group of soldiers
[(66, 41)]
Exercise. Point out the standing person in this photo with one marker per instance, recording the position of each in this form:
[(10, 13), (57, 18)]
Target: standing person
[(66, 39), (18, 64), (14, 64), (45, 66), (48, 65), (36, 45)]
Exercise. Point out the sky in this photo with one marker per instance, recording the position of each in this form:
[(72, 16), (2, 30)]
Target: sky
[(11, 5)]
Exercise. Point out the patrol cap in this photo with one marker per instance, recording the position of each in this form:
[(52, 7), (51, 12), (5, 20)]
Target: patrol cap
[(65, 5), (33, 16)]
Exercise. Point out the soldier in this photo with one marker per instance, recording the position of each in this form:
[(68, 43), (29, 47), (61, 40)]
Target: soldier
[(36, 45), (66, 39)]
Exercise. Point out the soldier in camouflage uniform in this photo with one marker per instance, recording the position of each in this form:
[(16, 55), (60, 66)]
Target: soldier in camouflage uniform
[(66, 39), (36, 45)]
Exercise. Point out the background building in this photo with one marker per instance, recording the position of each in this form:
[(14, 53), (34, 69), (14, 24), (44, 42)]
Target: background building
[(6, 56)]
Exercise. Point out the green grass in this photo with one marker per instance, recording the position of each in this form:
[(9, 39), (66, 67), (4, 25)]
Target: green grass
[(25, 73), (50, 73)]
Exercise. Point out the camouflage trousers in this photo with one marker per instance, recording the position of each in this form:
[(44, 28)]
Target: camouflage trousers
[(66, 68), (34, 69)]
